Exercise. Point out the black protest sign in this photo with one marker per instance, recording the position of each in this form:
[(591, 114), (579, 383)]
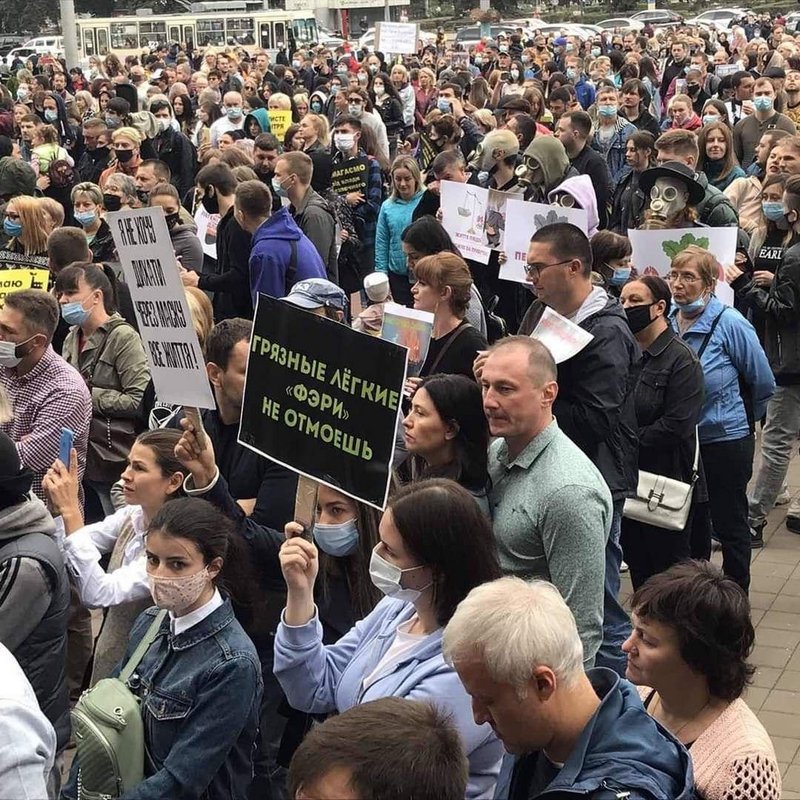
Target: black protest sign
[(351, 176), (322, 399)]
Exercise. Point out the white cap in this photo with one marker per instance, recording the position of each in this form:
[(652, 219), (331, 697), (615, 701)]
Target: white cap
[(376, 285)]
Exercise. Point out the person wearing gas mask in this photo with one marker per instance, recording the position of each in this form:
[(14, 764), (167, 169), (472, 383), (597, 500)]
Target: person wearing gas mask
[(496, 159), (577, 192), (545, 164), (673, 193), (173, 147)]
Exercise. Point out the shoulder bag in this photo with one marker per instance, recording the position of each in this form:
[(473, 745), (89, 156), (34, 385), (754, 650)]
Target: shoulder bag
[(109, 732)]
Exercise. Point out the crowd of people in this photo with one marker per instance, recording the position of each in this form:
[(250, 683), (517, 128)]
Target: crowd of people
[(470, 640)]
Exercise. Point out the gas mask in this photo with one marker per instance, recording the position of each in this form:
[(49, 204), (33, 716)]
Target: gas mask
[(529, 172), (495, 147), (563, 199), (668, 198)]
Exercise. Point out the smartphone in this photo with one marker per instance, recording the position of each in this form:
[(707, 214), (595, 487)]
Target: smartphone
[(680, 86), (65, 446)]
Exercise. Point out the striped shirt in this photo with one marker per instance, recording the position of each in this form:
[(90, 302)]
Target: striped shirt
[(50, 397)]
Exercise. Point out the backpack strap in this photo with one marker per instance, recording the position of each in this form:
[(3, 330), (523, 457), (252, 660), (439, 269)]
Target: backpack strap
[(710, 333), (291, 272), (144, 646)]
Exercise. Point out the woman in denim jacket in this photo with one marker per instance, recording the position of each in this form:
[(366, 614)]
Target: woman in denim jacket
[(435, 545), (200, 681)]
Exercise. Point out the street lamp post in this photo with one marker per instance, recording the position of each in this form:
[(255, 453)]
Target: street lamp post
[(69, 32)]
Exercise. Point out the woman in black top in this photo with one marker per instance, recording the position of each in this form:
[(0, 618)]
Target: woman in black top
[(443, 288), (668, 400), (388, 104)]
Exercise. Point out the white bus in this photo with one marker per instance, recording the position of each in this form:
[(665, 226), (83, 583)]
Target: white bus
[(131, 35)]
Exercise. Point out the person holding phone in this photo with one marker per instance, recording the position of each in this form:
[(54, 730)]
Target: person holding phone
[(435, 546)]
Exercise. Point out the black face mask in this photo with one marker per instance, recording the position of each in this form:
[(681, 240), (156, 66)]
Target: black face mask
[(172, 220), (638, 317), (144, 197), (111, 202), (210, 203), (124, 156)]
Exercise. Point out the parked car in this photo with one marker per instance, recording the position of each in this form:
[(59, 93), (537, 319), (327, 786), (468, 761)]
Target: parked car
[(9, 42), (661, 17), (471, 35), (621, 24), (720, 18)]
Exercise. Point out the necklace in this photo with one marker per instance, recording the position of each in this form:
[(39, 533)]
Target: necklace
[(676, 733)]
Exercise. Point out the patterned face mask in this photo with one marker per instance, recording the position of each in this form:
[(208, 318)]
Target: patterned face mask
[(177, 594)]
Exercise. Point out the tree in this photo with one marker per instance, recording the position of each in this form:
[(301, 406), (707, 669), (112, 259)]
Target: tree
[(35, 17)]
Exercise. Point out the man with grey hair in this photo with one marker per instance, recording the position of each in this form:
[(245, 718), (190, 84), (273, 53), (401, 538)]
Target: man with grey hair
[(515, 647), (551, 508)]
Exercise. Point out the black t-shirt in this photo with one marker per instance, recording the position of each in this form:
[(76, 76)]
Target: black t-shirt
[(770, 254), (460, 355)]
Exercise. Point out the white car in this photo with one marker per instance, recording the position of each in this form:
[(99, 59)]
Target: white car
[(368, 39), (554, 30), (720, 18), (622, 24)]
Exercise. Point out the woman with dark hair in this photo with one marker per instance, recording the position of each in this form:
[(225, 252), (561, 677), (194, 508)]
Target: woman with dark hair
[(207, 115), (435, 546), (717, 157), (692, 636), (200, 680), (714, 111), (109, 354), (611, 260), (153, 477), (426, 236), (442, 287), (386, 101), (447, 435), (668, 398)]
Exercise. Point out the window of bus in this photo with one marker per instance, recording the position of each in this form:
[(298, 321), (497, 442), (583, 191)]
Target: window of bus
[(152, 33), (266, 36), (240, 30), (280, 34), (88, 42), (211, 32), (305, 30), (102, 41), (124, 36), (188, 36)]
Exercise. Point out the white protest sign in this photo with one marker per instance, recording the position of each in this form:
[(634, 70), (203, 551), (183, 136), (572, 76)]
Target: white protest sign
[(397, 37), (523, 219), (463, 215), (207, 230), (654, 250), (564, 339), (165, 324)]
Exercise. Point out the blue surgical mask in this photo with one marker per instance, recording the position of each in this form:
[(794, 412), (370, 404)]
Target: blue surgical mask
[(355, 110), (277, 187), (695, 305), (234, 112), (620, 276), (572, 73), (113, 122), (709, 118), (50, 115), (763, 103), (607, 111), (74, 313), (335, 89), (443, 104), (337, 540), (85, 218), (12, 228), (774, 211), (595, 52)]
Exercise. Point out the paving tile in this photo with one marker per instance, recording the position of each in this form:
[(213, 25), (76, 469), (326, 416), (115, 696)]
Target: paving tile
[(773, 585), (755, 696), (781, 620), (772, 637), (783, 701), (771, 569), (785, 749), (789, 589), (790, 681), (779, 555), (786, 603), (762, 601), (766, 677), (777, 657), (791, 780), (794, 662), (756, 615), (779, 724)]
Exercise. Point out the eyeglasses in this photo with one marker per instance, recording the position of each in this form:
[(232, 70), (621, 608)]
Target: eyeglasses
[(682, 277), (534, 270)]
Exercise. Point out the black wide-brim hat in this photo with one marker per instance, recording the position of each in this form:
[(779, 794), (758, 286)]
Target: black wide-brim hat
[(673, 169)]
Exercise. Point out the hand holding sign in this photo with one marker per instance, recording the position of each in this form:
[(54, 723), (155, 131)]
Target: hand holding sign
[(195, 455), (300, 565)]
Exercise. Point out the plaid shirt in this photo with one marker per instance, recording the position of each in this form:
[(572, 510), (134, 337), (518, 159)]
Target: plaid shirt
[(50, 397)]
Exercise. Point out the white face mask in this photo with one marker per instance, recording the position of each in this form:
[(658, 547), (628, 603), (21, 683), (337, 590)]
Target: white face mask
[(344, 141), (164, 123), (387, 577)]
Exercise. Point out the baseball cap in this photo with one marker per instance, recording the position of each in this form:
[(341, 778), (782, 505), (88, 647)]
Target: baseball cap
[(317, 293), (376, 285)]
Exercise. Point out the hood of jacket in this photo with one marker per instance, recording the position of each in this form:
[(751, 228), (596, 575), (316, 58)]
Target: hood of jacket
[(550, 153), (30, 516), (625, 748), (279, 226), (260, 117), (581, 188), (16, 177)]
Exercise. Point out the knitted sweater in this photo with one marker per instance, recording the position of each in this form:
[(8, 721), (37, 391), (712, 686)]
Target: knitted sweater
[(733, 757)]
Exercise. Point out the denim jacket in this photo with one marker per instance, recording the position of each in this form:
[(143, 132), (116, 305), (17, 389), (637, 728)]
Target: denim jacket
[(613, 150), (733, 352), (200, 693)]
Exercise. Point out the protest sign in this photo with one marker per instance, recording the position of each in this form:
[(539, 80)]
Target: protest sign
[(411, 329), (159, 301), (396, 37), (654, 250), (279, 122), (13, 280), (351, 176), (322, 399), (463, 215), (494, 223), (563, 338), (207, 230), (523, 219)]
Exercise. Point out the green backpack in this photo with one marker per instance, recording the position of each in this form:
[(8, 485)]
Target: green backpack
[(109, 732)]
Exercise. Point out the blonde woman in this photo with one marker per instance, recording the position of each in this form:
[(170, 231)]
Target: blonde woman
[(316, 135), (85, 104), (395, 216), (28, 224)]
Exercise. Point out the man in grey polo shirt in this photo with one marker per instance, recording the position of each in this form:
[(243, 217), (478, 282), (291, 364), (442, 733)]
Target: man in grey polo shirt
[(551, 508)]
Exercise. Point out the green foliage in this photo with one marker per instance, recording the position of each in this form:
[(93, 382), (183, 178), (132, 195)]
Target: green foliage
[(671, 249), (36, 15)]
